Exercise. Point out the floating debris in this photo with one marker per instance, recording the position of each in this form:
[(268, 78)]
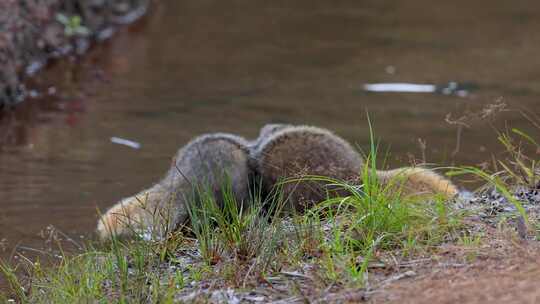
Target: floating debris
[(126, 142), (400, 87), (451, 88)]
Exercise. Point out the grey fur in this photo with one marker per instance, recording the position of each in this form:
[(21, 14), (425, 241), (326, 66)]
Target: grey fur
[(205, 161), (208, 160)]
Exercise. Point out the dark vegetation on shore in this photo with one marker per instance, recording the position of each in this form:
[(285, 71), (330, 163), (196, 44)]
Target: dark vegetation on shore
[(344, 249), (33, 31)]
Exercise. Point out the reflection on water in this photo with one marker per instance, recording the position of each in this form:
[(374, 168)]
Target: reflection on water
[(400, 87), (203, 66), (452, 88)]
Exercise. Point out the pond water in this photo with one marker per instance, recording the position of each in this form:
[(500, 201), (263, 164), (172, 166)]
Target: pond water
[(193, 66)]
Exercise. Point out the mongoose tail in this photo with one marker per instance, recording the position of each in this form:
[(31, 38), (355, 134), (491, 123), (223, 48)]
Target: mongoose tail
[(417, 180)]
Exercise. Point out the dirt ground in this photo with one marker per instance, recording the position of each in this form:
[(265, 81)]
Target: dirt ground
[(498, 267), (505, 271)]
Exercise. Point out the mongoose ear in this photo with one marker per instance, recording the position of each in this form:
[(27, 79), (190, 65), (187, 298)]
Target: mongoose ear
[(270, 129), (266, 132)]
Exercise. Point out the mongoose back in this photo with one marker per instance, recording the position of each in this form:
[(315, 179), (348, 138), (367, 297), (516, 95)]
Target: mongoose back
[(207, 160), (294, 152), (300, 151)]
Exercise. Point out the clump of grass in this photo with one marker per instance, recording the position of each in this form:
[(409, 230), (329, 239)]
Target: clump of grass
[(122, 272), (515, 177), (517, 169), (471, 244), (13, 281), (520, 169), (374, 217), (247, 231)]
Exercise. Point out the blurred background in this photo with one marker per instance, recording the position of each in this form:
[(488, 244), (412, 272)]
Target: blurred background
[(190, 67)]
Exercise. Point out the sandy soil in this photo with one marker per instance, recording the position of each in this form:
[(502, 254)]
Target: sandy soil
[(506, 271)]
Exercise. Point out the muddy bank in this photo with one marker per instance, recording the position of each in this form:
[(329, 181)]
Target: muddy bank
[(34, 31)]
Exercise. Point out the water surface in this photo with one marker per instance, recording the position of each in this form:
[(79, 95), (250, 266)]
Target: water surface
[(203, 66)]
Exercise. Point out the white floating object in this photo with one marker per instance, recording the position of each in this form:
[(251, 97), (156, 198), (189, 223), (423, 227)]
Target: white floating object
[(126, 142), (400, 87)]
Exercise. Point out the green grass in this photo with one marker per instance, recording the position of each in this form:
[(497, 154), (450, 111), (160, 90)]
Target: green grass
[(242, 230), (241, 245), (374, 218), (250, 244), (255, 244), (516, 169)]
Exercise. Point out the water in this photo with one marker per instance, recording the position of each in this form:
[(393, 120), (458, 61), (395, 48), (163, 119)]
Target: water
[(203, 66)]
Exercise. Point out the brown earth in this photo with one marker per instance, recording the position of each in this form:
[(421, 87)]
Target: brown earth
[(505, 271), (500, 268), (486, 283)]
